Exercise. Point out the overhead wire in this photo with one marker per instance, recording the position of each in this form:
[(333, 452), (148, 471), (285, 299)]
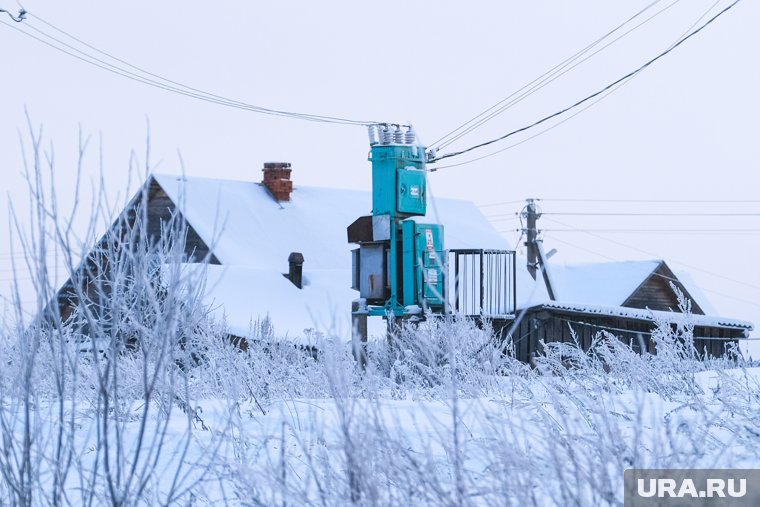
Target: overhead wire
[(520, 201), (652, 214), (559, 74), (662, 231), (686, 232), (607, 257), (539, 133), (157, 81), (18, 18), (503, 219), (548, 77), (676, 261), (658, 201), (635, 214), (561, 122), (597, 93), (592, 232)]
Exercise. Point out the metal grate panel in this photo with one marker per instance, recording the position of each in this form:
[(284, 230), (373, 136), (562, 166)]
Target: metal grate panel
[(481, 282)]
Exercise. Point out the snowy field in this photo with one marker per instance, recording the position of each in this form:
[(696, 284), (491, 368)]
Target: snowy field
[(442, 418)]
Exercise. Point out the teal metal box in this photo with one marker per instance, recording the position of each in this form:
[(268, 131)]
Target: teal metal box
[(411, 192), (398, 180), (423, 260)]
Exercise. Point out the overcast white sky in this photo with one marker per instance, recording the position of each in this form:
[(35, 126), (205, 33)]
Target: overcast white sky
[(685, 129)]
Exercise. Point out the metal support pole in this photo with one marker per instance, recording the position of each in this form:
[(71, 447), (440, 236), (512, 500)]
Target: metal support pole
[(514, 283), (531, 232), (456, 283), (482, 284), (393, 304), (359, 331)]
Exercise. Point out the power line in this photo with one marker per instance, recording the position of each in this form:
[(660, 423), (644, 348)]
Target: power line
[(513, 214), (19, 18), (541, 81), (659, 201), (586, 107), (636, 214), (588, 250), (664, 231), (552, 75), (697, 232), (521, 201), (509, 219), (595, 94), (647, 214), (164, 83), (676, 261), (717, 293), (547, 129), (607, 257)]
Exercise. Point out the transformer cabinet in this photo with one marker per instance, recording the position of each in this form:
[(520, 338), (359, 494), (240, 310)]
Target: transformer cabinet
[(398, 268), (423, 259), (420, 266)]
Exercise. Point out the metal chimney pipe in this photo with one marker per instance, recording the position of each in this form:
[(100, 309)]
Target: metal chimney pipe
[(295, 269)]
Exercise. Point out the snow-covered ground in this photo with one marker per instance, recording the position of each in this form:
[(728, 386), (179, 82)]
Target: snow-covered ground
[(140, 398), (441, 419)]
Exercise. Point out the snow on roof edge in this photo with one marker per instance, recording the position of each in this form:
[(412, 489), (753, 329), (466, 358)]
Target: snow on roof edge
[(650, 315)]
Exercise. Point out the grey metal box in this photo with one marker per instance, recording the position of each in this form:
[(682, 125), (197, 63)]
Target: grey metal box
[(372, 271)]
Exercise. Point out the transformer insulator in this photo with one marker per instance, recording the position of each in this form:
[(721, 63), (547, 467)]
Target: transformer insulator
[(398, 136), (372, 131), (410, 136), (386, 135)]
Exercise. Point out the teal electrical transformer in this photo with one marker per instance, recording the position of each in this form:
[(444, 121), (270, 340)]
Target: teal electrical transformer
[(399, 263), (398, 180)]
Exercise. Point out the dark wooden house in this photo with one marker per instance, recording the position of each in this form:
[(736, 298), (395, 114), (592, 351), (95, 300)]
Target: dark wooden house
[(626, 299)]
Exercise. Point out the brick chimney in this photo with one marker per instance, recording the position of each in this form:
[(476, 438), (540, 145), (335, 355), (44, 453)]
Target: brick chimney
[(277, 180)]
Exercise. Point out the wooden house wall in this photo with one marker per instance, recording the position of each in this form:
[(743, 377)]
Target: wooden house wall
[(657, 294), (557, 326), (160, 211)]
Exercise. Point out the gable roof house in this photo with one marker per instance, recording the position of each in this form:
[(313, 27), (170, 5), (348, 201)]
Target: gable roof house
[(247, 232), (279, 252), (626, 299)]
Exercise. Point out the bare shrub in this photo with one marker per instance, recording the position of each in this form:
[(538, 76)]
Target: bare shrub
[(96, 394)]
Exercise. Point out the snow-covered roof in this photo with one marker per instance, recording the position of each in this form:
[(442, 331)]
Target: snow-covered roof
[(241, 295), (244, 225), (252, 235), (604, 283), (602, 288), (696, 292), (648, 315)]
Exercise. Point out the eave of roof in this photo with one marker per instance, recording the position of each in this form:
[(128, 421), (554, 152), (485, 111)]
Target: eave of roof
[(646, 315)]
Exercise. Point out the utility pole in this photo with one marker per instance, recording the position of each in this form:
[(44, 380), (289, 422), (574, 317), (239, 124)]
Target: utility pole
[(536, 255), (531, 215)]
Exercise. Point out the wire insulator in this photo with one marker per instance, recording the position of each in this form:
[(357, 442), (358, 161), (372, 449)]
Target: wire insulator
[(372, 131), (398, 136), (386, 135), (410, 136)]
